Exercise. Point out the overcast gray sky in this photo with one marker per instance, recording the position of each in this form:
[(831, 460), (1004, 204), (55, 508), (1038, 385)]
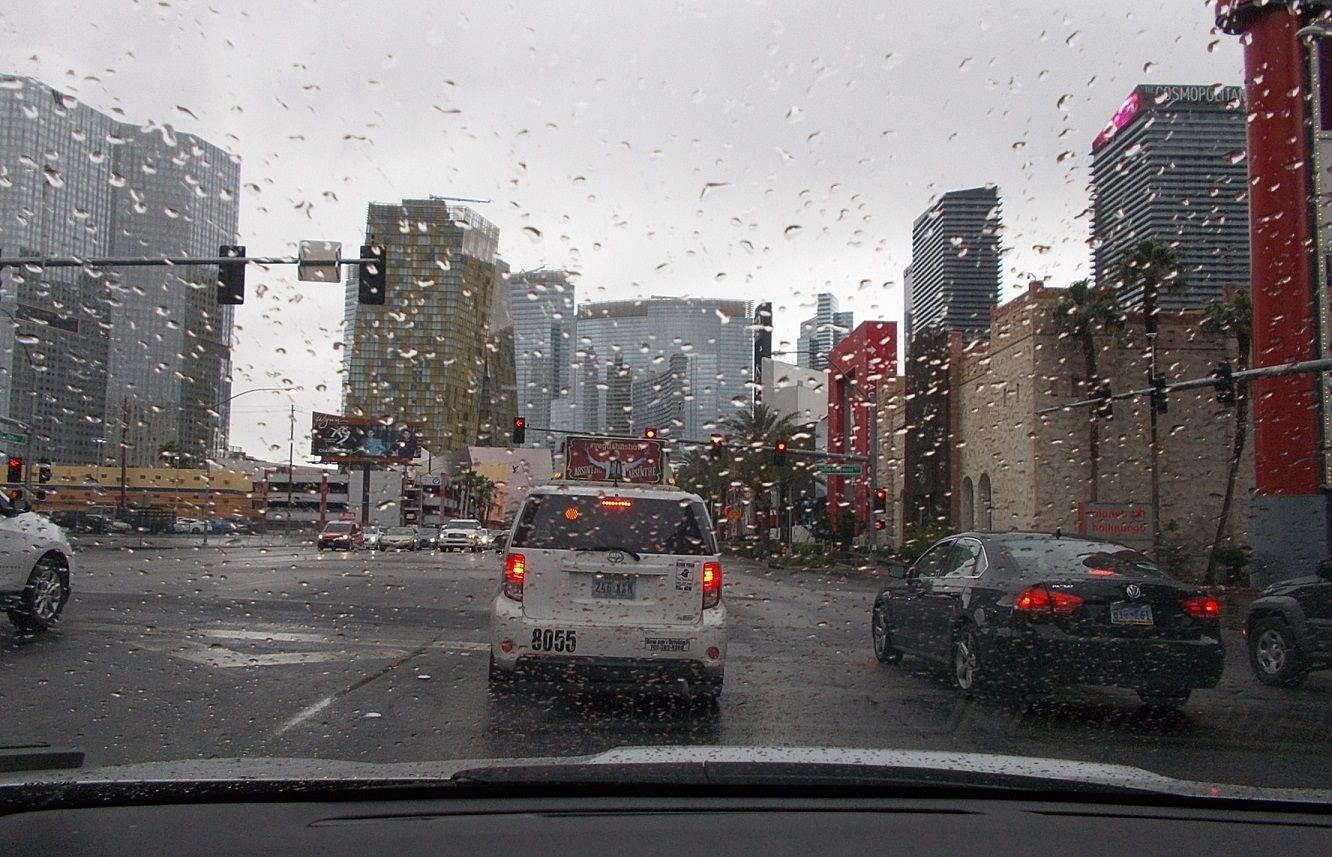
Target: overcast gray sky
[(759, 150)]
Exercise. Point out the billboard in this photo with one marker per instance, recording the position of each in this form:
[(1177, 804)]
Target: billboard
[(612, 459), (362, 440)]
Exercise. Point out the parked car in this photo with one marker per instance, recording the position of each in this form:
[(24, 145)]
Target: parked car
[(341, 535), (1034, 611), (400, 538), (36, 568), (89, 523), (188, 525), (221, 528), (460, 534), (1289, 628), (499, 539)]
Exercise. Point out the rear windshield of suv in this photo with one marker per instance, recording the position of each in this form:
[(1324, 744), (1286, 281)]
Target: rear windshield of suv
[(641, 525), (1076, 558)]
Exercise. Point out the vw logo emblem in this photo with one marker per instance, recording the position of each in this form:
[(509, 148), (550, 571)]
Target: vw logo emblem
[(615, 557), (1133, 590)]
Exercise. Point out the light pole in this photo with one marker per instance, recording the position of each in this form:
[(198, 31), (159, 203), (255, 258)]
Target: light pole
[(208, 455)]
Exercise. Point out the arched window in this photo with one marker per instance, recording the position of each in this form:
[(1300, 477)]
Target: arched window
[(968, 504), (985, 506)]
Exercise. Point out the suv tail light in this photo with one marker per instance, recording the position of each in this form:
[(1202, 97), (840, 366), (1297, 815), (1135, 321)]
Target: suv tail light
[(1039, 601), (712, 582), (515, 568), (1202, 607)]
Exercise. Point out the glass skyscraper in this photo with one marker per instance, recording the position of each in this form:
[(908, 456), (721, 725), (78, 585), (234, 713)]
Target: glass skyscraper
[(1170, 166), (636, 343), (434, 353), (955, 265), (544, 351), (138, 356)]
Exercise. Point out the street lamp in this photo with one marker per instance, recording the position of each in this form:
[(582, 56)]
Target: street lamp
[(208, 455)]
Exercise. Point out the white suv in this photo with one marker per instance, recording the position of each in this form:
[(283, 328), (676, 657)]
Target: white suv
[(616, 586), (35, 566)]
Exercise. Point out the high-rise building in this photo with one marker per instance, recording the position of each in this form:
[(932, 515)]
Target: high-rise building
[(133, 358), (821, 332), (433, 352), (1170, 167), (955, 267), (544, 350), (715, 337)]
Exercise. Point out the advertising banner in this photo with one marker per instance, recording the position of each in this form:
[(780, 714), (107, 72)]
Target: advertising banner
[(610, 459), (359, 440), (1127, 523)]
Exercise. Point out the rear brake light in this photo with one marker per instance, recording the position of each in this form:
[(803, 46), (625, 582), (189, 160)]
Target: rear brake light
[(712, 579), (616, 503), (1202, 607), (1039, 600), (515, 569)]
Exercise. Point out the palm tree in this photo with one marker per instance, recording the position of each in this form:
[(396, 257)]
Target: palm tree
[(1152, 266), (757, 431), (1233, 316), (1082, 311)]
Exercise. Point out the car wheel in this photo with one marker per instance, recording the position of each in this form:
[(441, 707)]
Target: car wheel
[(1275, 655), (968, 673), (1165, 697), (882, 636), (43, 598)]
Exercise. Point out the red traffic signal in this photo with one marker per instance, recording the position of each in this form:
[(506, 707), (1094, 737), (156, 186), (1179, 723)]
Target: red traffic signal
[(715, 446), (779, 453), (519, 430), (880, 499), (15, 472), (880, 525), (650, 433)]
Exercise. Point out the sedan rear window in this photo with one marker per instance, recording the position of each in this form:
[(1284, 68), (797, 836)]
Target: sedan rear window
[(645, 526), (1077, 558)]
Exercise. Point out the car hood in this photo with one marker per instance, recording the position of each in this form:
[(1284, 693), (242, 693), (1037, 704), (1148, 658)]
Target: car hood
[(38, 531), (720, 765), (1291, 586)]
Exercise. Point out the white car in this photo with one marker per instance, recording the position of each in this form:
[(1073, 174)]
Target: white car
[(36, 563), (461, 534), (618, 586), (400, 538), (188, 525)]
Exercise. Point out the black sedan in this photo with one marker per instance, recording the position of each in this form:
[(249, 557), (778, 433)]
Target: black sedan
[(1031, 611)]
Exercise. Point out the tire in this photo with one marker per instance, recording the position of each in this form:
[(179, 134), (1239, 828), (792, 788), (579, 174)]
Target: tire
[(1167, 697), (44, 596), (1275, 655), (882, 637), (967, 673)]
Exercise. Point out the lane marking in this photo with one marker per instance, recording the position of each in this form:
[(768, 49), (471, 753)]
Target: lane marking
[(305, 714)]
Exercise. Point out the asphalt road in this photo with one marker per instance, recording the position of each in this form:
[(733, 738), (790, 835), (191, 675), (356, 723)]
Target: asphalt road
[(284, 652)]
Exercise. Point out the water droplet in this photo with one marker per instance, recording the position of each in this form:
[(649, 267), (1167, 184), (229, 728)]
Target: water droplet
[(793, 230)]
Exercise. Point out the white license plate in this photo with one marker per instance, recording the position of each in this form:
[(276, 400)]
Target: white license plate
[(1131, 614), (614, 587)]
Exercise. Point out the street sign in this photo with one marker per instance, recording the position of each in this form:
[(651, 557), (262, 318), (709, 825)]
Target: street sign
[(10, 437), (841, 469)]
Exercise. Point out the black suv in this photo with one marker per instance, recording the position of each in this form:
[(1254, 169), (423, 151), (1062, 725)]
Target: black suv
[(1289, 629)]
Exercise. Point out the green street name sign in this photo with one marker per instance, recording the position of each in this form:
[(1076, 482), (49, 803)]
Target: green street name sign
[(10, 437), (841, 469)]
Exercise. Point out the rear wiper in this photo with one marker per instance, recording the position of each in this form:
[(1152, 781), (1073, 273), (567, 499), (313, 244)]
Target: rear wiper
[(633, 554)]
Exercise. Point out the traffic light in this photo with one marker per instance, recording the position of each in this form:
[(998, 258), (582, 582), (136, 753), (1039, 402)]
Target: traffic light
[(15, 473), (650, 433), (519, 430), (880, 524), (1159, 403), (1225, 384), (373, 275), (1105, 405), (231, 276), (880, 499), (44, 471), (715, 447), (779, 453)]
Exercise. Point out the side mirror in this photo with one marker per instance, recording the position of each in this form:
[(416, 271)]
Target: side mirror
[(897, 571), (1325, 569)]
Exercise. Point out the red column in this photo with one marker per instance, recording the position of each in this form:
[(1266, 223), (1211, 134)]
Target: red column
[(1284, 329)]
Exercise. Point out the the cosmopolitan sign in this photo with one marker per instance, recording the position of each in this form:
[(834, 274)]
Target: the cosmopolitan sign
[(1147, 96), (1130, 523)]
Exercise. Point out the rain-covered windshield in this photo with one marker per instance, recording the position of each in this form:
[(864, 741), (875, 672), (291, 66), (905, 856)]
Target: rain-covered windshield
[(848, 288)]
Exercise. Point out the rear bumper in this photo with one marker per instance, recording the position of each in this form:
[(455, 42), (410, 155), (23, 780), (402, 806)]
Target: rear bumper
[(628, 657), (1048, 655)]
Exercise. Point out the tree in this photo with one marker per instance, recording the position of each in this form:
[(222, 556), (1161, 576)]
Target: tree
[(1233, 316), (756, 431), (1152, 266), (1081, 312)]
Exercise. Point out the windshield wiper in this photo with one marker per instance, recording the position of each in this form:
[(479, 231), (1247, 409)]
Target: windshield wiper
[(633, 554)]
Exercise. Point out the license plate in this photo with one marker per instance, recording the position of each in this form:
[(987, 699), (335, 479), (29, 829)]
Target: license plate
[(614, 587), (1131, 614)]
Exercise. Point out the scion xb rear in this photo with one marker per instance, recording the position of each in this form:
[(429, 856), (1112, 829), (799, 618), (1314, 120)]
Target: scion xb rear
[(611, 586)]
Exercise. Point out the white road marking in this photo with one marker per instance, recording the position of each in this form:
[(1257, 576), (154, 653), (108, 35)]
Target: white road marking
[(304, 714), (275, 636)]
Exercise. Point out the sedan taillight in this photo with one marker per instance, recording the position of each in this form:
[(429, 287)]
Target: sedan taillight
[(1037, 600), (1202, 607), (712, 581), (515, 569)]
